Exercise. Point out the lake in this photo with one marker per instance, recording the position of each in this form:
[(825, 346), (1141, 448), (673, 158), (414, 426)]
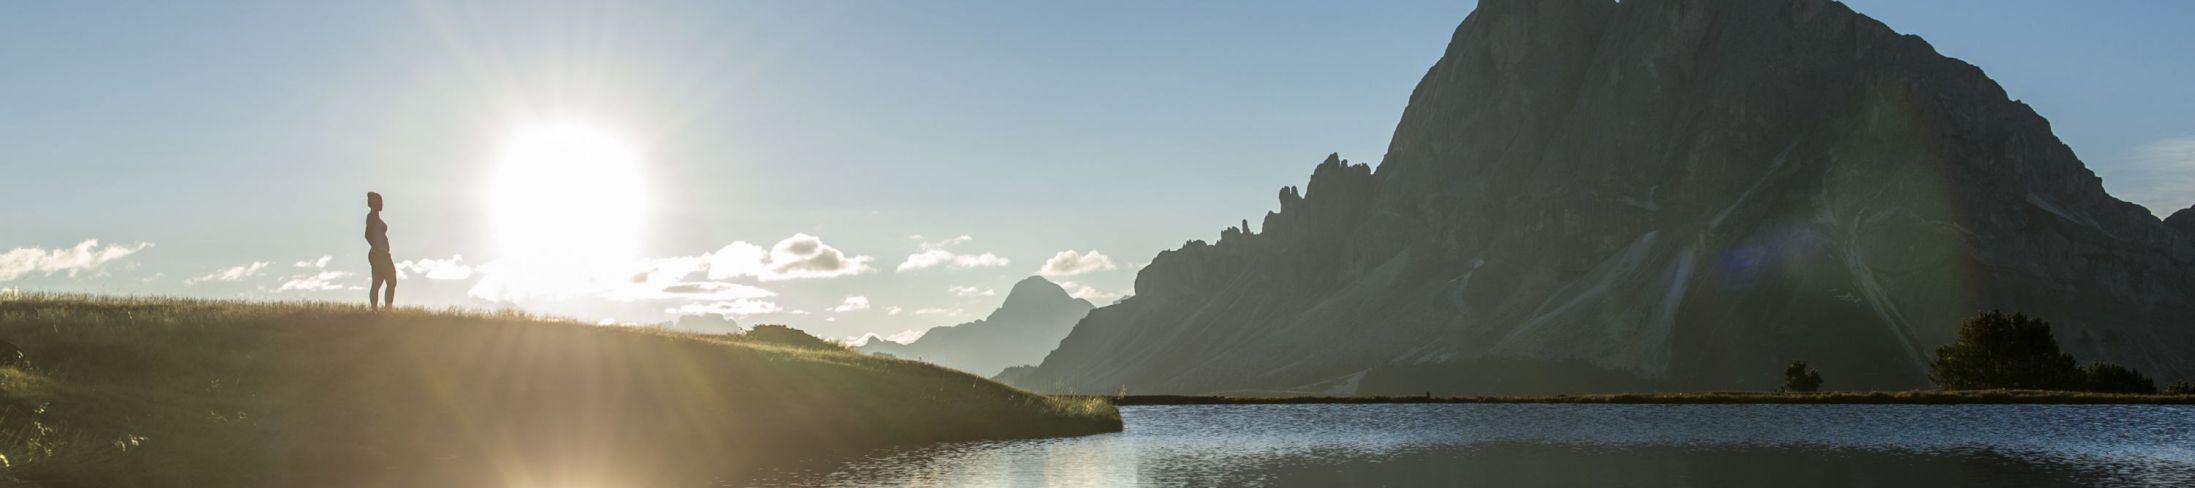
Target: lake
[(1570, 445)]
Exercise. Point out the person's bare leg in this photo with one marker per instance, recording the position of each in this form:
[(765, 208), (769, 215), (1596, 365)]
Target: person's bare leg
[(389, 300), (373, 295)]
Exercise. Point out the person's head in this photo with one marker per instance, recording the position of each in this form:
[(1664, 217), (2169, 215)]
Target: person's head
[(373, 201)]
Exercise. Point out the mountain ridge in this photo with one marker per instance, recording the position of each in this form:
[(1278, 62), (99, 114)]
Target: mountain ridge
[(1035, 314), (1585, 195)]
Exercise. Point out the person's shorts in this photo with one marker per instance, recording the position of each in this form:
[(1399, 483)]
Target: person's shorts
[(384, 267)]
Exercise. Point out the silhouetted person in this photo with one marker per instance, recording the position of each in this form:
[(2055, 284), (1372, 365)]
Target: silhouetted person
[(377, 254)]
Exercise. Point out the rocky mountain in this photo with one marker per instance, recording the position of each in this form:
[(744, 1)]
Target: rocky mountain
[(1035, 315), (1592, 195), (704, 324)]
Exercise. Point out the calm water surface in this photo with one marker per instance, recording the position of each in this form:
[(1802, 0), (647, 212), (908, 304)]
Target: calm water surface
[(1571, 445)]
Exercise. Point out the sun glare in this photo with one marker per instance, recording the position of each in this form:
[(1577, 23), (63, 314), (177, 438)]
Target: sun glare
[(567, 195)]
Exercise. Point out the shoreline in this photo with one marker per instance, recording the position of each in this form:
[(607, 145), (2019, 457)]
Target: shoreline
[(1907, 397)]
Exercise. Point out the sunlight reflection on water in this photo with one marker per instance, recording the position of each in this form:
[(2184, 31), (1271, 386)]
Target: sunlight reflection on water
[(1591, 445)]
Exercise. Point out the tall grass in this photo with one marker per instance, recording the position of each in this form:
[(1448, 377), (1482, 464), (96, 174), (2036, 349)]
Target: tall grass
[(174, 392)]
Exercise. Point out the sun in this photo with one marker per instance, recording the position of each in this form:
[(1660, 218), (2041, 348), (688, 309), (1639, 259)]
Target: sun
[(567, 195)]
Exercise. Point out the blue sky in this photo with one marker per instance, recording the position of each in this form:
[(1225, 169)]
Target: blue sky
[(195, 142)]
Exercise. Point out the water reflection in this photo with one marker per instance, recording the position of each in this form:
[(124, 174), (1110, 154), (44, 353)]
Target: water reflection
[(1572, 445)]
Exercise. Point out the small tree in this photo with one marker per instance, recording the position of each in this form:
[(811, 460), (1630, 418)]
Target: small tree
[(1798, 378), (1995, 350), (787, 336), (2181, 388), (2111, 378)]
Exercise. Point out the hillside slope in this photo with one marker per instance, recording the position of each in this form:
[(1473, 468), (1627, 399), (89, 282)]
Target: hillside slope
[(151, 392), (1591, 195), (1025, 327)]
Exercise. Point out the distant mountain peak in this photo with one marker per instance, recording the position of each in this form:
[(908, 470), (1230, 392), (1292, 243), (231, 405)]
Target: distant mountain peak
[(1027, 324), (1035, 288)]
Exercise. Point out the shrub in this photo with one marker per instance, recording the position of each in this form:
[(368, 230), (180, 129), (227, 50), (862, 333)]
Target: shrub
[(1799, 378), (780, 335), (1995, 350), (2181, 388), (2105, 377)]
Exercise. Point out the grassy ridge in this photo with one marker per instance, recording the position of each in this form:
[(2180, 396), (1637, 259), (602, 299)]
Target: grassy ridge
[(137, 392), (1916, 397)]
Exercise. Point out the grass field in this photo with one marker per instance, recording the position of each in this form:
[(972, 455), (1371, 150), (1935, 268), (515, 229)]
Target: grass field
[(169, 392), (1917, 397)]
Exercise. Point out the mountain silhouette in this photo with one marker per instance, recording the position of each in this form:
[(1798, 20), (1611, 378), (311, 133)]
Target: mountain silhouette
[(1591, 195), (1035, 315)]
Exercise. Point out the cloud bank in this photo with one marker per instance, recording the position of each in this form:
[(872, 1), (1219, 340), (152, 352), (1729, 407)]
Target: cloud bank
[(453, 268), (1070, 263), (801, 256), (727, 309), (232, 274), (934, 254), (852, 303), (797, 257), (322, 281), (85, 256), (936, 257)]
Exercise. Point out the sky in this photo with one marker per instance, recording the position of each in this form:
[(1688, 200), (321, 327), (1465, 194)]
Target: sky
[(850, 168)]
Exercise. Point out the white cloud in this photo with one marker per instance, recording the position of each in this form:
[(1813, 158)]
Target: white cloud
[(893, 310), (314, 263), (970, 291), (691, 290), (1087, 292), (852, 303), (2160, 176), (453, 268), (956, 311), (239, 272), (934, 257), (1070, 263), (84, 256), (944, 243), (647, 279), (799, 256), (934, 254), (323, 281), (727, 309)]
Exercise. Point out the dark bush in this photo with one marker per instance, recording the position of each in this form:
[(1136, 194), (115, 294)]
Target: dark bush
[(10, 355), (2102, 377), (1995, 350), (2181, 388), (1798, 378), (787, 336)]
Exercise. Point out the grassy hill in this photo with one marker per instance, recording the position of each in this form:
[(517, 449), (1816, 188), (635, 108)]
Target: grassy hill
[(137, 392)]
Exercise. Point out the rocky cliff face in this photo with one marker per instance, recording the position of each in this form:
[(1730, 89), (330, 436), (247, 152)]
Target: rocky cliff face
[(1658, 194), (1035, 315), (2182, 222)]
